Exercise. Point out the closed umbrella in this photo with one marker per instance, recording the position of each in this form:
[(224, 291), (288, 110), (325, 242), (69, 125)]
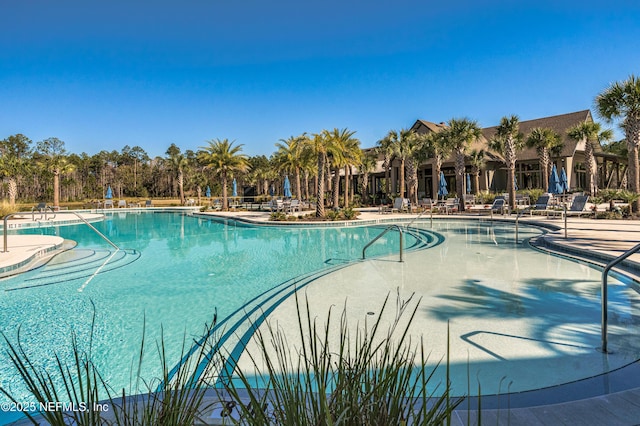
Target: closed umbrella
[(287, 187), (515, 183), (208, 192), (442, 186), (272, 190), (468, 183), (554, 182), (234, 190), (109, 194), (564, 184)]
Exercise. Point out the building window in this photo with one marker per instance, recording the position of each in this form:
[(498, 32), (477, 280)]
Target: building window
[(581, 176)]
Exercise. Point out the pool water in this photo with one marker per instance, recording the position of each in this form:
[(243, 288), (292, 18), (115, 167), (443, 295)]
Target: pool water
[(179, 269)]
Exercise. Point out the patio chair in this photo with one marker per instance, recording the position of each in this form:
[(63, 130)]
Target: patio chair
[(108, 204), (451, 205), (147, 203), (499, 206), (400, 205), (426, 203), (578, 206), (541, 206), (295, 205), (122, 203), (469, 200), (277, 205)]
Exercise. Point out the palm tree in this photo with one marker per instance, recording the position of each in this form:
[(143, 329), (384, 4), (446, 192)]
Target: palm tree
[(461, 134), (622, 101), (589, 132), (416, 154), (290, 158), (224, 159), (477, 161), (317, 143), (401, 145), (437, 146), (385, 148), (54, 159), (178, 163), (367, 165), (508, 141), (353, 155), (339, 144), (544, 140), (14, 151)]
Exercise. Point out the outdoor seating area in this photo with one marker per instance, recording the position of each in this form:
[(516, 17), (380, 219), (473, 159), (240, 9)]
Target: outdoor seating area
[(287, 206)]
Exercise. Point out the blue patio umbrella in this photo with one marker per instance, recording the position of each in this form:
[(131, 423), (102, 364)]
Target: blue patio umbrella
[(234, 188), (554, 182), (515, 183), (109, 194), (442, 186), (468, 183), (564, 184), (287, 187), (208, 192), (272, 190)]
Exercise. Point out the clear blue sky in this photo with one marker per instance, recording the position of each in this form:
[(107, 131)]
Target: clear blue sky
[(105, 74)]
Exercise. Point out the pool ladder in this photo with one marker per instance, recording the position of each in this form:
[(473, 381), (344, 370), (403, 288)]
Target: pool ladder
[(605, 272), (387, 229)]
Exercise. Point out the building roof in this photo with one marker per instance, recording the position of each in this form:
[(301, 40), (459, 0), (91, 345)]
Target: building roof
[(559, 123)]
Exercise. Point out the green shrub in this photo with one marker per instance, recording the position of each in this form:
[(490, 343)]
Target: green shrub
[(333, 215), (350, 213), (277, 216), (533, 194), (336, 376)]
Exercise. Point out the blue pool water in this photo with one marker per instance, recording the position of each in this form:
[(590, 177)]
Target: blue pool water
[(177, 270)]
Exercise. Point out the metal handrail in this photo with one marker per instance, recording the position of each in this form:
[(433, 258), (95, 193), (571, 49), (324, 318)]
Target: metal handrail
[(398, 227), (420, 215), (605, 272), (40, 209), (5, 228)]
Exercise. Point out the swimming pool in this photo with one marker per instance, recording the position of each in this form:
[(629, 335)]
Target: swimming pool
[(180, 268), (175, 272)]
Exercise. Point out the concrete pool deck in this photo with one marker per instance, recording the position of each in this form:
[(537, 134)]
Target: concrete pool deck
[(585, 236)]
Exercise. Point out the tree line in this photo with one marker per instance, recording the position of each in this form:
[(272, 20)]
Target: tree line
[(314, 162)]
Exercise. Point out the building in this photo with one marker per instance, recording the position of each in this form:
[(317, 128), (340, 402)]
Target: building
[(493, 177)]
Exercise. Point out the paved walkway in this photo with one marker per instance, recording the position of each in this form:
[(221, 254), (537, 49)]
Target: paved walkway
[(601, 240)]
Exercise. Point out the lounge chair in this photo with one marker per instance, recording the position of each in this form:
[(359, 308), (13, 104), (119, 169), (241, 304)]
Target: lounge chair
[(400, 205), (147, 203), (294, 205), (541, 206), (108, 204), (469, 200), (499, 206), (578, 206), (122, 203), (451, 205), (277, 205), (426, 203)]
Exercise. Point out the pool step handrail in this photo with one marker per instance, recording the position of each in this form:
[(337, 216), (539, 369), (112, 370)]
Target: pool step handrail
[(420, 215), (7, 217), (605, 273), (40, 209), (387, 229)]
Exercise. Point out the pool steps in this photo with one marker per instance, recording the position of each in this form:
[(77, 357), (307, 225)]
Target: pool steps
[(73, 265)]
